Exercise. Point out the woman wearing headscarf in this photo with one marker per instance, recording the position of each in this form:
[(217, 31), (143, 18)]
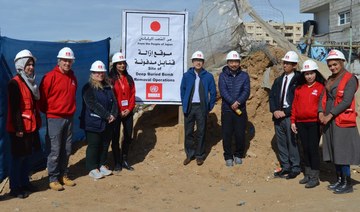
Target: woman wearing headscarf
[(98, 114), (341, 140), (23, 122), (124, 89)]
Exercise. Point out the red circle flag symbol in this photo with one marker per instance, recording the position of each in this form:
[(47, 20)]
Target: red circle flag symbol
[(155, 26)]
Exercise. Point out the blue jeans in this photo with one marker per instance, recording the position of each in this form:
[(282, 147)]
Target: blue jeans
[(59, 138), (19, 172)]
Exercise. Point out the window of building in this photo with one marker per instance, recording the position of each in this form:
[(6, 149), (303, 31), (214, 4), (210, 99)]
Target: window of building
[(344, 17)]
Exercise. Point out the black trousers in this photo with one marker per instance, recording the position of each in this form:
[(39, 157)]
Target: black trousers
[(195, 142), (128, 127), (233, 124), (309, 133)]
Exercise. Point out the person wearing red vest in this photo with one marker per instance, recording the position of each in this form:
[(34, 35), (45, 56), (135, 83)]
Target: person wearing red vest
[(305, 122), (124, 89), (341, 140), (58, 90), (23, 123)]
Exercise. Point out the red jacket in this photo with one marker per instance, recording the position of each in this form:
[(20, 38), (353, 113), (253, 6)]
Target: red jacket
[(348, 117), (58, 94), (305, 104), (30, 116), (124, 93)]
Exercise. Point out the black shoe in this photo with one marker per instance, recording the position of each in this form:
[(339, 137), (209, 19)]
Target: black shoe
[(19, 194), (125, 165), (292, 175), (30, 188), (186, 161), (117, 168), (199, 161), (281, 173)]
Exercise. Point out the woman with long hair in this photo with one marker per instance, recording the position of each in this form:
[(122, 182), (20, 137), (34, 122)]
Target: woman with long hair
[(124, 89), (305, 122), (98, 116)]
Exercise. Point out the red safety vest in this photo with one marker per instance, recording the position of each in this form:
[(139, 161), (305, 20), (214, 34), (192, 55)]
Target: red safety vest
[(29, 111), (348, 117)]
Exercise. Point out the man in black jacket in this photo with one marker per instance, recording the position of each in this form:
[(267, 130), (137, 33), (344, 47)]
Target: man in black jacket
[(280, 100)]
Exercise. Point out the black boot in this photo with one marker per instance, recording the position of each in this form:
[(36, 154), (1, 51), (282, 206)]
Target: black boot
[(345, 186), (314, 179), (337, 183), (306, 175), (125, 164)]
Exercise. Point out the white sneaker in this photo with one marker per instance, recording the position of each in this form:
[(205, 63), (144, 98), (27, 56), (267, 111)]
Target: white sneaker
[(105, 171), (96, 174)]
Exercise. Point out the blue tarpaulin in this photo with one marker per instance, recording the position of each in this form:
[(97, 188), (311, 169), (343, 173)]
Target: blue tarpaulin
[(45, 52), (317, 53)]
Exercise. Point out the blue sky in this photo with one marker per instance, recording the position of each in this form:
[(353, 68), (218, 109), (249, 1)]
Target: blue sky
[(54, 20)]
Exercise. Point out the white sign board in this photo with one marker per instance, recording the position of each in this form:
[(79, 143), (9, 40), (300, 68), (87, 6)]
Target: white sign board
[(155, 44)]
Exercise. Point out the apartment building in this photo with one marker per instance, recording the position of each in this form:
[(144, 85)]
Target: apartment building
[(334, 18), (292, 31)]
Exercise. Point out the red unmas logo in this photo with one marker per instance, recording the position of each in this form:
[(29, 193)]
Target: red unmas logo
[(153, 91)]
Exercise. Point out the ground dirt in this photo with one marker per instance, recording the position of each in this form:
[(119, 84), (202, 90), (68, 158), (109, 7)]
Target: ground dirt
[(161, 182)]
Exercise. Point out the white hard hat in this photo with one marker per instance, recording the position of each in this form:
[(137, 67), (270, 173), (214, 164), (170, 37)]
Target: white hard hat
[(335, 55), (118, 57), (66, 53), (98, 66), (233, 55), (23, 54), (309, 65), (291, 56), (198, 55)]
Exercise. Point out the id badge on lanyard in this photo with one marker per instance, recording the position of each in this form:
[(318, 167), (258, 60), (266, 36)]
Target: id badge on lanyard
[(124, 103)]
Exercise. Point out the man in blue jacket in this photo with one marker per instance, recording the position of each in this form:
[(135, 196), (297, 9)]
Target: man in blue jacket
[(234, 87), (198, 96)]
